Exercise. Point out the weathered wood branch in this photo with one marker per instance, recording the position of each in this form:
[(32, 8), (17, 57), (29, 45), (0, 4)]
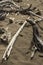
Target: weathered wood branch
[(36, 36), (36, 41), (9, 48)]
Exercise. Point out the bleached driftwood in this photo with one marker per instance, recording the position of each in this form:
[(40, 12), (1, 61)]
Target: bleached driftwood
[(9, 48)]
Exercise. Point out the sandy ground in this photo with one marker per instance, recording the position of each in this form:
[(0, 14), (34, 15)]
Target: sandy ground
[(18, 54)]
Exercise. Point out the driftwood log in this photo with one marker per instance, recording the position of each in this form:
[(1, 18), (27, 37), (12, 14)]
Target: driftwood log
[(10, 46), (36, 41)]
